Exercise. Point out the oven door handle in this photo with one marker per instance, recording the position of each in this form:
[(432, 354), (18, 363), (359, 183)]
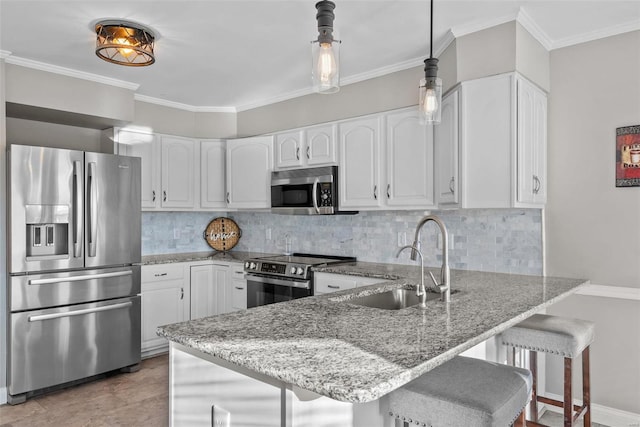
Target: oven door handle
[(281, 282)]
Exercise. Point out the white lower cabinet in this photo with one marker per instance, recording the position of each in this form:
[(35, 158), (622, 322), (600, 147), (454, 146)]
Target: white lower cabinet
[(208, 283), (325, 283), (236, 289), (164, 301)]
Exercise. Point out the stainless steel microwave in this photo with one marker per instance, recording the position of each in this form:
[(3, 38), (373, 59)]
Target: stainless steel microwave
[(309, 191)]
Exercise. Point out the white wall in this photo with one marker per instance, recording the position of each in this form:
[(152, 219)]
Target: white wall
[(592, 227)]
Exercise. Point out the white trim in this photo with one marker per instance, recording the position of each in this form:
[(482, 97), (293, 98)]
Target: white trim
[(4, 54), (3, 395), (619, 292), (36, 65), (527, 22), (180, 106), (600, 414), (595, 35)]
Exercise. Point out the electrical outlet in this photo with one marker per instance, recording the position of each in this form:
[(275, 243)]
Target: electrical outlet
[(176, 233), (402, 238), (220, 417), (268, 234)]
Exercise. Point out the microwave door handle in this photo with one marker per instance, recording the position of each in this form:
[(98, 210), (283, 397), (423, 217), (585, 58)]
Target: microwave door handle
[(92, 205), (77, 209), (314, 196)]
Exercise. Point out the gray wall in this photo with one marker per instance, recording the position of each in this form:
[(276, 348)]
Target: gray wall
[(592, 227), (31, 132)]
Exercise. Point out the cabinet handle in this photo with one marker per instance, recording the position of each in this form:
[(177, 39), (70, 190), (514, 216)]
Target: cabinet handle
[(181, 293), (308, 152), (297, 153), (375, 192), (164, 196), (228, 197), (452, 188), (388, 191), (333, 287), (160, 274), (239, 288), (536, 184), (153, 195)]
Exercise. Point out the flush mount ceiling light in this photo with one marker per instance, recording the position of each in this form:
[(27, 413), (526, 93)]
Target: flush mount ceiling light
[(430, 86), (325, 51), (124, 43)]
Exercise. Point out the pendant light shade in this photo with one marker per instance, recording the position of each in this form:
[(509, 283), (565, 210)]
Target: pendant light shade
[(430, 96), (124, 43), (325, 52)]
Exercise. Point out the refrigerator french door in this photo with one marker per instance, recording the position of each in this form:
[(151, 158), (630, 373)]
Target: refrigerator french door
[(74, 275)]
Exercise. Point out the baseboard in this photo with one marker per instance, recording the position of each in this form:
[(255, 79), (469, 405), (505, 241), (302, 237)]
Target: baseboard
[(601, 414), (3, 395), (154, 352), (619, 292)]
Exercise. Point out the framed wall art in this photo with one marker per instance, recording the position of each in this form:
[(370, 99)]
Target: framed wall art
[(628, 156)]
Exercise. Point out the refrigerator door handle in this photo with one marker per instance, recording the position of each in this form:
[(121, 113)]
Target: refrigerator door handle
[(80, 278), (77, 209), (41, 317), (92, 207)]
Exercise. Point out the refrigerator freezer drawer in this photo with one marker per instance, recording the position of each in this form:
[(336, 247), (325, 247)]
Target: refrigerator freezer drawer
[(73, 287), (55, 346)]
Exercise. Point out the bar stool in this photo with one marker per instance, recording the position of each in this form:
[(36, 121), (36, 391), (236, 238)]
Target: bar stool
[(562, 336), (463, 392)]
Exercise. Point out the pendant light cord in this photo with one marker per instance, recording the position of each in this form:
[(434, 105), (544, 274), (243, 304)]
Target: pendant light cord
[(431, 33)]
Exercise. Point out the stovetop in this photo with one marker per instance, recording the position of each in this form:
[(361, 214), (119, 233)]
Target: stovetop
[(297, 265)]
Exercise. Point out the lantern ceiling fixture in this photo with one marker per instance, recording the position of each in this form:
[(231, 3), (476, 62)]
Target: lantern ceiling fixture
[(325, 51), (124, 43), (430, 86)]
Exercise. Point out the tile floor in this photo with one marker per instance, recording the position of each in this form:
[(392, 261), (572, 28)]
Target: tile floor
[(137, 399)]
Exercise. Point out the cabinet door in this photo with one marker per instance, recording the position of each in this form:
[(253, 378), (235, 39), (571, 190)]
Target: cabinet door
[(531, 147), (447, 141), (206, 284), (321, 145), (145, 146), (409, 160), (178, 172), (236, 289), (249, 165), (288, 148), (359, 160), (212, 174)]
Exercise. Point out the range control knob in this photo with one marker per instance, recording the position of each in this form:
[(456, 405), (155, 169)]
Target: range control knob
[(252, 266), (293, 270), (246, 264), (300, 270)]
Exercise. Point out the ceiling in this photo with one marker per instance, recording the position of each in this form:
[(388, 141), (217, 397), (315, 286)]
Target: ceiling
[(234, 55)]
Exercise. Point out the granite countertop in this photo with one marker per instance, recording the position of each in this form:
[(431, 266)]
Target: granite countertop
[(231, 256), (358, 354)]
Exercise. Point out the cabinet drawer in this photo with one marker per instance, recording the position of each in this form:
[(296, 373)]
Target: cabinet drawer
[(155, 273), (325, 283)]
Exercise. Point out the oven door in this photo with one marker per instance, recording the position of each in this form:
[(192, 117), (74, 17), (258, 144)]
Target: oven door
[(263, 290)]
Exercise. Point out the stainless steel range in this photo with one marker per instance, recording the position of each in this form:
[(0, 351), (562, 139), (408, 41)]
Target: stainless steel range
[(284, 277)]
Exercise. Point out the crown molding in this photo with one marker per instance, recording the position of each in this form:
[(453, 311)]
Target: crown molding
[(595, 35), (524, 19), (4, 54), (463, 30), (180, 106), (36, 65)]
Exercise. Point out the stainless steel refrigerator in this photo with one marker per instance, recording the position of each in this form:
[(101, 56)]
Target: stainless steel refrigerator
[(74, 266)]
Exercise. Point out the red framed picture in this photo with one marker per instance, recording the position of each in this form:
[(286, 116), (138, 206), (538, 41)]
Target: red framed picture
[(628, 156)]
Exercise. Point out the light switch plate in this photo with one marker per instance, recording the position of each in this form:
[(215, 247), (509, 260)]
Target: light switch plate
[(220, 417)]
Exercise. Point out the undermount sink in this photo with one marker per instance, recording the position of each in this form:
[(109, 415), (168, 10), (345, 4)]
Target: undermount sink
[(396, 299)]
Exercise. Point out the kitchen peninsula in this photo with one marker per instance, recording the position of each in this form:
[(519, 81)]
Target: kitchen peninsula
[(323, 361)]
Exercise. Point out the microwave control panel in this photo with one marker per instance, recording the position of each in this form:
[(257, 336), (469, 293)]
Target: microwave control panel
[(326, 195)]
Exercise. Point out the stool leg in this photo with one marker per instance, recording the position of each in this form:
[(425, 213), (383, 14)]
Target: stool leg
[(586, 387), (568, 400), (533, 367)]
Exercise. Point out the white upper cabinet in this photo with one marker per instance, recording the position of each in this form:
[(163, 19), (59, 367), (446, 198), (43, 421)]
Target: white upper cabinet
[(447, 141), (178, 171), (312, 146), (213, 174), (359, 174), (532, 144), (145, 146), (409, 161), (249, 166)]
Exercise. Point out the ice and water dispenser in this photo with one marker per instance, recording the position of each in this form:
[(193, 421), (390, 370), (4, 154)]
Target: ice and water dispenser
[(47, 228)]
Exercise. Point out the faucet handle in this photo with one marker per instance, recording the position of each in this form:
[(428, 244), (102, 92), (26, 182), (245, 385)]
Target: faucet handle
[(434, 280)]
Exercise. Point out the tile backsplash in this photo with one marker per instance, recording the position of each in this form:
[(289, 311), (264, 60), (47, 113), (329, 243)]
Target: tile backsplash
[(500, 240)]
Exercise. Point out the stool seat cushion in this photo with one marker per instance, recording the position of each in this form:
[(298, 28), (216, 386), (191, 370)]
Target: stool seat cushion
[(551, 334), (463, 392)]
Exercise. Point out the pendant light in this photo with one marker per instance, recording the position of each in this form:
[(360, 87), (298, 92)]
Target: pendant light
[(124, 43), (325, 51), (430, 102)]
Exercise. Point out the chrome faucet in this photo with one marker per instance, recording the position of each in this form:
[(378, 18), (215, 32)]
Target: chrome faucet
[(444, 286), (421, 291)]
